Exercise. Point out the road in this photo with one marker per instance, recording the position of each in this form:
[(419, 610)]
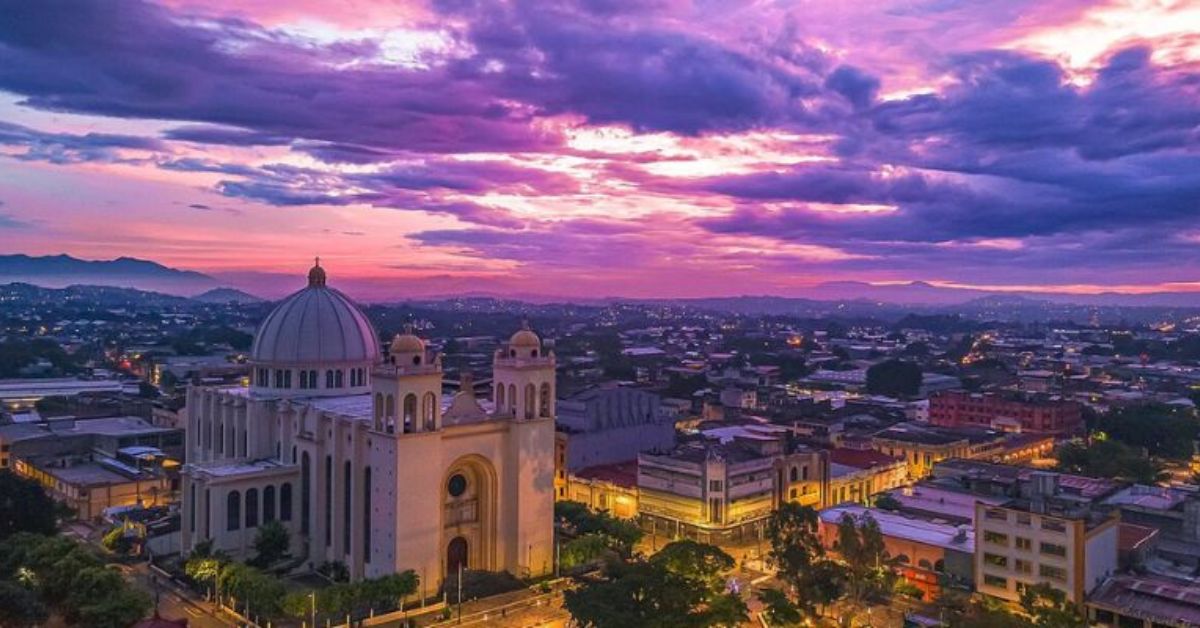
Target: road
[(173, 602)]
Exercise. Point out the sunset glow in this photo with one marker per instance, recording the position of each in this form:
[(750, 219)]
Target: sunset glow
[(593, 148)]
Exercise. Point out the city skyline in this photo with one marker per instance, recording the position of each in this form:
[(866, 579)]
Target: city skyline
[(594, 148)]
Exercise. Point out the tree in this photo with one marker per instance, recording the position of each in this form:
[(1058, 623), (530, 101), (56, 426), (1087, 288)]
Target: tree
[(1107, 458), (20, 607), (247, 587), (1049, 608), (1164, 431), (779, 609), (577, 519), (798, 556), (70, 579), (869, 567), (894, 378), (24, 506), (584, 549), (270, 544), (680, 587)]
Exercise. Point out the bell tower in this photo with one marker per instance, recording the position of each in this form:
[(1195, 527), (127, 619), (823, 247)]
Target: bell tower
[(523, 375), (406, 389)]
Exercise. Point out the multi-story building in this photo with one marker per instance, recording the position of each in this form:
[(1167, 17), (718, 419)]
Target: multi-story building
[(722, 489), (1046, 535), (1006, 411), (610, 424)]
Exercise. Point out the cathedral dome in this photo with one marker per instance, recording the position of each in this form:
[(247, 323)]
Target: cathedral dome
[(317, 325)]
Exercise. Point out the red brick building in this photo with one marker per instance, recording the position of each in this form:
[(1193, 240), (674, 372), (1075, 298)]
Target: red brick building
[(1012, 412)]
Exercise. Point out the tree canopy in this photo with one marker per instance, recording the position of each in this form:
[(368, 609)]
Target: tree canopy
[(894, 378), (1164, 431), (24, 506), (679, 587), (59, 574), (1108, 458)]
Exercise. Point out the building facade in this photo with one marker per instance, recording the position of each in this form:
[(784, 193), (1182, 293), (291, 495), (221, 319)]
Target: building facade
[(1041, 539), (1010, 412), (363, 458), (723, 492)]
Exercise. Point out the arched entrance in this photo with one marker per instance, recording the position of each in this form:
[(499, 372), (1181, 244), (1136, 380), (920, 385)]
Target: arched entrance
[(469, 515), (456, 555)]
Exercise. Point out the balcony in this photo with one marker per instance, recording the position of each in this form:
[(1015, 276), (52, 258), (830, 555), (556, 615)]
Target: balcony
[(461, 512)]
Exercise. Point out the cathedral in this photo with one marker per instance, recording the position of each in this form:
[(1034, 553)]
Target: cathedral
[(360, 455)]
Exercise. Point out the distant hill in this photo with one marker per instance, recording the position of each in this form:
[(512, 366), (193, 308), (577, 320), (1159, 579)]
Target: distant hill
[(93, 296), (60, 271), (226, 295)]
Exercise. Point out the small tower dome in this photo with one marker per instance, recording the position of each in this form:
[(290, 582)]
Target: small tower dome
[(524, 338)]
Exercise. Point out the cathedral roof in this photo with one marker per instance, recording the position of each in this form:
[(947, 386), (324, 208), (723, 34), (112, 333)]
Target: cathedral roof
[(316, 325)]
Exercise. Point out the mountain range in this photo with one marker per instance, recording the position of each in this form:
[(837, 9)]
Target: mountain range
[(57, 271), (60, 271)]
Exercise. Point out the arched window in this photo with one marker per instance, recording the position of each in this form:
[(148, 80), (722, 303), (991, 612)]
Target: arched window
[(410, 411), (512, 398), (347, 493), (312, 379), (903, 559), (221, 438), (379, 411), (499, 397), (303, 379), (287, 379), (328, 501), (305, 491), (545, 400), (269, 503), (939, 566), (429, 410), (251, 508), (233, 510), (794, 475), (924, 564), (338, 379), (329, 379), (285, 502), (367, 514), (530, 400)]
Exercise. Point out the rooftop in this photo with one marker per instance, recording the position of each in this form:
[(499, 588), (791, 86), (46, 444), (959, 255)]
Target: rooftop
[(620, 473), (1155, 598), (927, 531)]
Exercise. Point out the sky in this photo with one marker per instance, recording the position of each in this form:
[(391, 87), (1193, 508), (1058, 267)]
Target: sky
[(638, 148)]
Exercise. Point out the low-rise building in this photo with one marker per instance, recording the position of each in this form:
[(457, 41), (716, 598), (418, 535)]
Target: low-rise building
[(1145, 601), (857, 474), (610, 487), (929, 551)]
